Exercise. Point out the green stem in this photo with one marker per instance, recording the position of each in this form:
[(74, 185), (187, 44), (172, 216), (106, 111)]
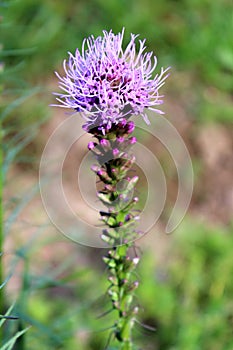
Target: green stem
[(23, 301), (121, 291), (113, 154)]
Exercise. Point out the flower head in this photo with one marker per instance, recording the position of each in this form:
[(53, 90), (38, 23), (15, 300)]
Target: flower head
[(106, 83)]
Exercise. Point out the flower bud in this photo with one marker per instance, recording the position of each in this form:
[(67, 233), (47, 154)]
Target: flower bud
[(115, 152), (91, 145), (101, 172), (130, 127), (133, 140), (104, 143), (128, 217), (122, 123), (120, 139)]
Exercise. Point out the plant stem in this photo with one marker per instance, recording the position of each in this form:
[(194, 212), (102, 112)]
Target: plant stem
[(121, 291), (115, 160)]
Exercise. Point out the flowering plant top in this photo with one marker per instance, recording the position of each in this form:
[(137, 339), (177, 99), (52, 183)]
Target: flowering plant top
[(106, 83)]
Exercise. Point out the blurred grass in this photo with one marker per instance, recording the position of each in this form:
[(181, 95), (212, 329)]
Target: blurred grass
[(188, 299)]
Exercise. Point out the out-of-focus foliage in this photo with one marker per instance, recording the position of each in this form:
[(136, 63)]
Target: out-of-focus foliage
[(188, 297)]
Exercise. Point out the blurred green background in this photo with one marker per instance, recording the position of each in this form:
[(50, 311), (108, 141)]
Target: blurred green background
[(186, 278)]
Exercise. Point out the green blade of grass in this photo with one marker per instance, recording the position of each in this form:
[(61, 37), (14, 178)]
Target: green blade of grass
[(10, 343), (1, 222)]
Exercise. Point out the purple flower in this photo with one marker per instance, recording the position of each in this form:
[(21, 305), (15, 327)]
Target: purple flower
[(106, 83)]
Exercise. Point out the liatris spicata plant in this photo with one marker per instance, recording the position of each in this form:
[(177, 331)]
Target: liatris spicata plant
[(108, 85)]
